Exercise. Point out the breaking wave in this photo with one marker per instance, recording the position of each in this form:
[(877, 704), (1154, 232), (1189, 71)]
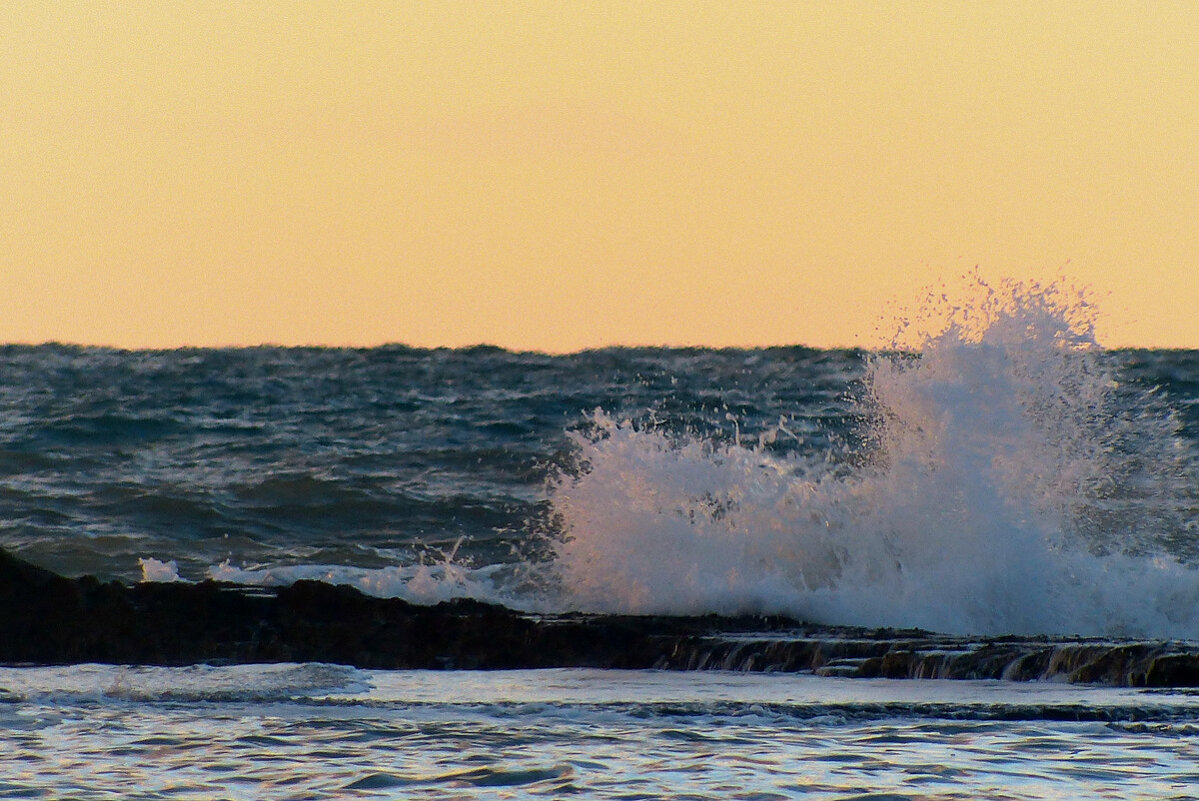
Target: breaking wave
[(1005, 482)]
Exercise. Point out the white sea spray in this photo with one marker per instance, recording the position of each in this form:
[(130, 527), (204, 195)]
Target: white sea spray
[(1011, 489), (159, 571), (421, 583)]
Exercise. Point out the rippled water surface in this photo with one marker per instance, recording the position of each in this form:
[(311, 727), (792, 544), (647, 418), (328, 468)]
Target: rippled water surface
[(285, 456), (319, 731)]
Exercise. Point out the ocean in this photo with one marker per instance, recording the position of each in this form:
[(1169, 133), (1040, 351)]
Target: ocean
[(1005, 476)]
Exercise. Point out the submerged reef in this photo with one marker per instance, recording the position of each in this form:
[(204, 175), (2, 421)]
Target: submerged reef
[(46, 618)]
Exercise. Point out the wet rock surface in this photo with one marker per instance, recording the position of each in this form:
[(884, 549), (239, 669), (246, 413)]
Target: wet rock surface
[(48, 619)]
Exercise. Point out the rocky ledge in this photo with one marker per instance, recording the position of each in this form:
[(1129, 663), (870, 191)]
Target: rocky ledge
[(49, 619)]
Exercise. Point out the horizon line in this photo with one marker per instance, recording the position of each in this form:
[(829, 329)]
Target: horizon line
[(55, 343)]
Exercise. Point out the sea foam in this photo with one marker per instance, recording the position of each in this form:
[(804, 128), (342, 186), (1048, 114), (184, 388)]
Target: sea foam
[(1008, 485)]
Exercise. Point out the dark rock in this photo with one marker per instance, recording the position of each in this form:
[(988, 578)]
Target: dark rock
[(1173, 670), (49, 619)]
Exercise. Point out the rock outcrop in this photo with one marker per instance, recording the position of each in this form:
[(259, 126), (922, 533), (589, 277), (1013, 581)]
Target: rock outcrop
[(49, 619)]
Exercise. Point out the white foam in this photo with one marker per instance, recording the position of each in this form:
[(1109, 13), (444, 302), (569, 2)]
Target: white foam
[(1002, 498), (99, 683), (421, 583), (154, 570)]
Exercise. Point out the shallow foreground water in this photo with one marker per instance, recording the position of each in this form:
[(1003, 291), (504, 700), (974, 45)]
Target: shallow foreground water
[(324, 731)]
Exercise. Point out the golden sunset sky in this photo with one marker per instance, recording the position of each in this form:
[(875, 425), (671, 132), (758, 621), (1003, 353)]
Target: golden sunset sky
[(560, 175)]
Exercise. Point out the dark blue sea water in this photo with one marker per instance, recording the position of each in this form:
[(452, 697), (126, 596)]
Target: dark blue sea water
[(356, 457)]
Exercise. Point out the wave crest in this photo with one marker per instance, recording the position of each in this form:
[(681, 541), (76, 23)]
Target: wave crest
[(1008, 484)]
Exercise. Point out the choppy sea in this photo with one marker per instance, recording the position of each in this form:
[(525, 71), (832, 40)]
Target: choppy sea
[(1005, 476)]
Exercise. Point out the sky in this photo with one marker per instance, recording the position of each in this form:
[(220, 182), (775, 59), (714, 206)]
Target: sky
[(561, 175)]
